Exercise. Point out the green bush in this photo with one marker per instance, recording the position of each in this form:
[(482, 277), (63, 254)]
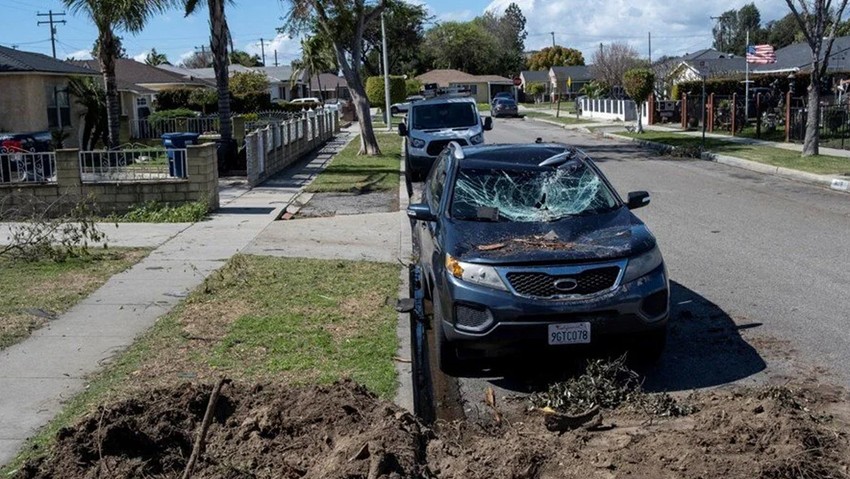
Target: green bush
[(248, 102), (156, 212), (248, 83), (173, 98), (413, 86), (375, 90), (171, 114), (204, 99)]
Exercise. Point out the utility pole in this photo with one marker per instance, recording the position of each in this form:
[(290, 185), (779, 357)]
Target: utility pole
[(52, 24), (275, 58), (387, 112), (263, 50), (553, 39), (649, 36)]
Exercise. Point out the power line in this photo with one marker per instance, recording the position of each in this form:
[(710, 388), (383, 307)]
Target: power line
[(52, 24)]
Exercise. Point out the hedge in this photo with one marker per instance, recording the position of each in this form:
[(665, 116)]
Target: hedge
[(728, 86), (173, 98), (375, 90)]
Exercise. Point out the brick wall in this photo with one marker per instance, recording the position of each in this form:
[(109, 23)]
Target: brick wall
[(118, 197), (278, 145)]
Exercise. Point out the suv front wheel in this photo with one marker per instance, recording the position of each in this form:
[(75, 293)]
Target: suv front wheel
[(447, 359)]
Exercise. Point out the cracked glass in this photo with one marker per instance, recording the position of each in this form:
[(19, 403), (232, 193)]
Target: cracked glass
[(530, 194)]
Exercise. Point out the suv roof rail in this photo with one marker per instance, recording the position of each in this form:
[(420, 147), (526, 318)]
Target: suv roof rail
[(457, 150)]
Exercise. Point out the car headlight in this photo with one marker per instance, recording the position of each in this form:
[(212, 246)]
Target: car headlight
[(477, 139), (417, 143), (643, 264), (475, 273)]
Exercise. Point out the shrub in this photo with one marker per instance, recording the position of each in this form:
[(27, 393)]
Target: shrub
[(173, 98), (247, 83), (171, 114), (413, 86), (204, 99), (375, 90), (255, 101)]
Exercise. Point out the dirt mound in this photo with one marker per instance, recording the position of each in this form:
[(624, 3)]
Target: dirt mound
[(258, 431), (343, 431)]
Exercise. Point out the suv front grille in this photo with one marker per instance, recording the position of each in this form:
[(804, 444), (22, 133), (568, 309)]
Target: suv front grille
[(436, 146), (543, 285)]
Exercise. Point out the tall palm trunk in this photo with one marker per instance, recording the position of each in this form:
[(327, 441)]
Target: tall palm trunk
[(106, 58), (218, 45)]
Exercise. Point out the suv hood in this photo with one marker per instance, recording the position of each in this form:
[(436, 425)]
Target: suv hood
[(613, 235), (448, 133)]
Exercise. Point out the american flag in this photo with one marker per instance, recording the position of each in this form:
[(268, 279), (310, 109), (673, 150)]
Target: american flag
[(760, 54)]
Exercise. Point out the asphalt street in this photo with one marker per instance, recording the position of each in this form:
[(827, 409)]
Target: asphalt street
[(760, 268)]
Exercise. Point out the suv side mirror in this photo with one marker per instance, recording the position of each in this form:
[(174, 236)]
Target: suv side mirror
[(421, 212), (488, 123), (402, 129), (638, 199)]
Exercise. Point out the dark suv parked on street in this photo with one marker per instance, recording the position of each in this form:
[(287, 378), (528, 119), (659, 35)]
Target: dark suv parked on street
[(530, 245)]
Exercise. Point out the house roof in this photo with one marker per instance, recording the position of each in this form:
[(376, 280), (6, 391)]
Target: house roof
[(330, 82), (281, 73), (706, 54), (717, 66), (205, 73), (18, 61), (493, 79), (798, 56), (535, 76), (576, 72), (131, 72), (446, 77)]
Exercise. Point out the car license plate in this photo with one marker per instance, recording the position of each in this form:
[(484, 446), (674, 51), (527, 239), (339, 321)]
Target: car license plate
[(569, 333)]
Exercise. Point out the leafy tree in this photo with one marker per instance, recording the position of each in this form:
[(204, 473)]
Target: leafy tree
[(109, 17), (464, 46), (413, 86), (89, 94), (730, 31), (819, 27), (219, 38), (405, 24), (120, 51), (155, 58), (245, 83), (317, 57), (375, 90), (202, 59), (343, 23), (203, 99), (509, 32), (612, 61), (594, 89), (556, 56), (245, 59), (783, 32), (535, 89), (639, 83)]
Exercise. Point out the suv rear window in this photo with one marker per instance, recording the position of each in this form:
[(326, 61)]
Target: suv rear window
[(530, 194), (437, 116)]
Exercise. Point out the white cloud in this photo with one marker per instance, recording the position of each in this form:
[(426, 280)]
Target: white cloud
[(288, 49), (677, 27), (459, 16), (140, 57), (80, 55)]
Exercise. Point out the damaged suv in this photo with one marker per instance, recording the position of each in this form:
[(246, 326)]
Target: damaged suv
[(530, 246)]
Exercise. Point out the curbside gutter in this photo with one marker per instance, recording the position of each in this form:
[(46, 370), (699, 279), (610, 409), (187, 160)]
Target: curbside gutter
[(826, 181)]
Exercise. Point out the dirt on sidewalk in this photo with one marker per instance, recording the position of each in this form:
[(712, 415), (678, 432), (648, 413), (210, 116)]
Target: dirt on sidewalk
[(343, 430)]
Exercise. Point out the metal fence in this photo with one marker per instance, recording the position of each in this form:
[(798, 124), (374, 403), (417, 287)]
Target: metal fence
[(834, 124), (146, 129), (133, 165), (723, 107), (22, 166), (266, 118)]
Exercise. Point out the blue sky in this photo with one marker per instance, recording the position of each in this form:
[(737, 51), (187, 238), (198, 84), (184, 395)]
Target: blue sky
[(677, 27)]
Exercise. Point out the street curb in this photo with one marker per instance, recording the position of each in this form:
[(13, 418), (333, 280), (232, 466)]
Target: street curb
[(835, 184), (577, 127), (404, 396)]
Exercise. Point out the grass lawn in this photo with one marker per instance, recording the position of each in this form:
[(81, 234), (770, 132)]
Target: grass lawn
[(35, 292), (565, 118), (350, 172), (483, 107), (763, 154), (286, 320)]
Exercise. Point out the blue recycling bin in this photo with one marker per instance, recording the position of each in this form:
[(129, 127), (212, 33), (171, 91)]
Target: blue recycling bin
[(176, 158)]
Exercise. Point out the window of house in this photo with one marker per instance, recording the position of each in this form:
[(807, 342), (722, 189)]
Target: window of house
[(58, 107)]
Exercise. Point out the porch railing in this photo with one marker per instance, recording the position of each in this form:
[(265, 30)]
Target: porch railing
[(21, 166)]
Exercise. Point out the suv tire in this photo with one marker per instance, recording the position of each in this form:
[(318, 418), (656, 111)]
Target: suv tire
[(447, 359), (647, 348)]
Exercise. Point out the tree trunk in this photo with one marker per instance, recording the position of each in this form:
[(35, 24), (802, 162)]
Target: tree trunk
[(321, 92), (218, 46), (812, 138), (113, 104), (368, 142), (639, 128)]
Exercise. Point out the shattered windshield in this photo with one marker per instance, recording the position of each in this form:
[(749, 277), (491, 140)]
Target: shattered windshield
[(444, 115), (534, 194)]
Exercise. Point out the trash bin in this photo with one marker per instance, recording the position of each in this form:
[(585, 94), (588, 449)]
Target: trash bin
[(174, 143)]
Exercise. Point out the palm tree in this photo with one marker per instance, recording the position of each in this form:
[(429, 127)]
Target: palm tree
[(317, 58), (89, 94), (219, 39), (111, 16), (155, 58)]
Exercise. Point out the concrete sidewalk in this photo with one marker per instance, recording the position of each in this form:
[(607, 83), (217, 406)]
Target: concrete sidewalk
[(40, 373)]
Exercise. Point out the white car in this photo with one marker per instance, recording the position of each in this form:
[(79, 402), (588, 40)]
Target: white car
[(402, 107), (432, 124), (302, 101)]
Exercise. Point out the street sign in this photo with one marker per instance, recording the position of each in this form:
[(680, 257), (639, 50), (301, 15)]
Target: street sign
[(517, 81)]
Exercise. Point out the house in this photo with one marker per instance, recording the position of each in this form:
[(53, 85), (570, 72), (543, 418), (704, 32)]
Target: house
[(797, 57), (705, 54), (34, 93), (138, 84), (482, 87), (328, 85), (569, 80), (281, 85), (530, 76), (695, 70)]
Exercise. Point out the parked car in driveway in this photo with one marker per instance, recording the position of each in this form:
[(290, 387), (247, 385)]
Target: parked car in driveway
[(504, 107), (402, 107), (504, 95), (529, 246)]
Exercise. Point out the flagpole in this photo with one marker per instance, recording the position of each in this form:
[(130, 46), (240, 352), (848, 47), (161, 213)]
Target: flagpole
[(747, 83)]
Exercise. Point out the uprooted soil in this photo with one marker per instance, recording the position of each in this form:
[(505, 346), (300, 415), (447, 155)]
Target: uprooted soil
[(343, 431)]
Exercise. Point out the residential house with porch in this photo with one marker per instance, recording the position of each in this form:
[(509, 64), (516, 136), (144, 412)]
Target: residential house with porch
[(328, 86), (570, 80), (528, 77), (482, 87), (282, 85), (34, 93)]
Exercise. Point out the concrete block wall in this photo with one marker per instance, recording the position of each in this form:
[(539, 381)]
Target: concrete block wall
[(117, 196), (279, 145)]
